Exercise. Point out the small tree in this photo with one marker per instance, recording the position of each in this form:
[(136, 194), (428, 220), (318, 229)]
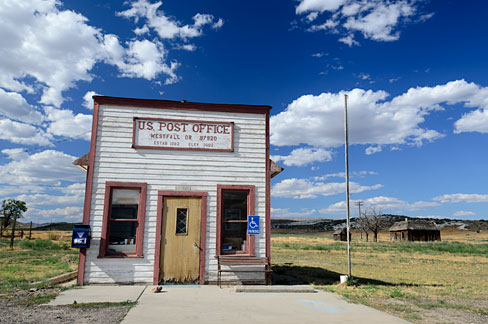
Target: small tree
[(363, 226), (12, 209), (373, 221)]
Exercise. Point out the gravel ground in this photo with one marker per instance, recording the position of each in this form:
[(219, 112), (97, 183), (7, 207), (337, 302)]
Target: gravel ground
[(11, 312)]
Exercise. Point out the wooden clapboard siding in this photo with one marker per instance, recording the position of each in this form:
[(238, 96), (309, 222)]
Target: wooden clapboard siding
[(116, 160)]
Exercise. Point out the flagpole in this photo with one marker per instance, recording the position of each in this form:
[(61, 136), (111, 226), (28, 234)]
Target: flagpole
[(346, 148)]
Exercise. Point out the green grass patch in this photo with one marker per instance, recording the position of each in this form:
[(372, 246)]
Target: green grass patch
[(396, 294), (313, 247), (37, 300), (403, 278), (32, 262), (42, 245), (103, 304), (454, 247)]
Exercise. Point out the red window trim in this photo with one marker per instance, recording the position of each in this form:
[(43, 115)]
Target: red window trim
[(141, 213), (250, 211)]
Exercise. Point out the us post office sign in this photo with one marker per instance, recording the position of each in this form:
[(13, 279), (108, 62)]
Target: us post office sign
[(176, 134)]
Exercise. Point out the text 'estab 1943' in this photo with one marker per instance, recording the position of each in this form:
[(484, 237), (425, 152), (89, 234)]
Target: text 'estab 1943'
[(178, 134)]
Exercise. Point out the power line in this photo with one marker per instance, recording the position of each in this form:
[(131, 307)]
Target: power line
[(45, 146)]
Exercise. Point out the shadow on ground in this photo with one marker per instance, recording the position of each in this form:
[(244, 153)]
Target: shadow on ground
[(302, 275)]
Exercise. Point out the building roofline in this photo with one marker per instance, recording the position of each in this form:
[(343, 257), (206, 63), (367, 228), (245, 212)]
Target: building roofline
[(183, 104)]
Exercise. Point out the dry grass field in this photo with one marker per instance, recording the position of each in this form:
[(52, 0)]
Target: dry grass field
[(439, 282), (23, 283), (34, 261)]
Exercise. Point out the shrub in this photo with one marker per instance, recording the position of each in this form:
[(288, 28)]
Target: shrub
[(40, 245)]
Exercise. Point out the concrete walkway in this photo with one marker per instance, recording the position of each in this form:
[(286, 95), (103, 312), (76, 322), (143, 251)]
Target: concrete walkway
[(98, 294), (209, 304)]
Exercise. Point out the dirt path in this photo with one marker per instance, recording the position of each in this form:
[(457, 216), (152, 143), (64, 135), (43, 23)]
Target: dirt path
[(12, 311), (428, 315)]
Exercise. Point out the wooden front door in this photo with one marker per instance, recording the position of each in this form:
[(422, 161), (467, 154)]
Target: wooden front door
[(180, 240)]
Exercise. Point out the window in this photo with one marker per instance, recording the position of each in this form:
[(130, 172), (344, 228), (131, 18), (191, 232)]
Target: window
[(123, 219), (235, 203), (181, 216)]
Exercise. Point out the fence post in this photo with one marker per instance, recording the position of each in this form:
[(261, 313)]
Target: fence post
[(30, 231)]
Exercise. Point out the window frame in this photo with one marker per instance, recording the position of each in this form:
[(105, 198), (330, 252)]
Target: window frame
[(141, 213), (250, 189)]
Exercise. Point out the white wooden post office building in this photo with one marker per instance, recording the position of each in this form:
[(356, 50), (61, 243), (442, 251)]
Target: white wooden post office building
[(169, 189)]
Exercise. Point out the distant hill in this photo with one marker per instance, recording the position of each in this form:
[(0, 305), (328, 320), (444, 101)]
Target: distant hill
[(55, 227), (63, 226), (326, 225)]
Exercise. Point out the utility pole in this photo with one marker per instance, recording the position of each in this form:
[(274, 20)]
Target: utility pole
[(346, 148), (359, 203)]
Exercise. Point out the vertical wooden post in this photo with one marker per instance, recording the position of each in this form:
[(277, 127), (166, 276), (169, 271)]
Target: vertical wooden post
[(13, 233), (346, 149), (30, 231)]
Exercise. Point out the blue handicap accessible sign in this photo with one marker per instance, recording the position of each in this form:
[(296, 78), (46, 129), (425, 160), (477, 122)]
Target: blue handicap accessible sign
[(253, 225)]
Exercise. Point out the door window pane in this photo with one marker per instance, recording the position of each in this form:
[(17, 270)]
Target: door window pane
[(181, 215)]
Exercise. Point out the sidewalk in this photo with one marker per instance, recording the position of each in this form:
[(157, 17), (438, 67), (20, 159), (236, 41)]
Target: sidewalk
[(209, 304), (98, 294)]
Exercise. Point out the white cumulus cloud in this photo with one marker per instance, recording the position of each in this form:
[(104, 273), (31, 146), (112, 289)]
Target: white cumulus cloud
[(304, 156), (14, 106), (286, 213), (88, 99), (473, 121), (167, 27), (67, 214), (460, 197), (378, 20), (64, 122), (343, 175), (373, 149), (48, 49), (46, 167), (305, 188), (461, 213), (385, 204), (317, 120), (21, 133)]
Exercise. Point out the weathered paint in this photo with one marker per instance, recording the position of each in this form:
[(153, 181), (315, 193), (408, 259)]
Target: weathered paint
[(112, 158)]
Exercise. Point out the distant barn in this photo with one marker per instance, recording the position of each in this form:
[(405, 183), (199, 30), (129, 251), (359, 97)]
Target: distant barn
[(341, 234), (415, 231)]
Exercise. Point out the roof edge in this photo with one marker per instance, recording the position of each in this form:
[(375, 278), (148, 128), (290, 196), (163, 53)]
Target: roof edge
[(183, 104)]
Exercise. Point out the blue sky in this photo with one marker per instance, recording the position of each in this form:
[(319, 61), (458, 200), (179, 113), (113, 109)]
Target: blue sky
[(415, 72)]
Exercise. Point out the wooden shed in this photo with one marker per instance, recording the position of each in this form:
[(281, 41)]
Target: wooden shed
[(340, 234), (170, 188), (415, 230)]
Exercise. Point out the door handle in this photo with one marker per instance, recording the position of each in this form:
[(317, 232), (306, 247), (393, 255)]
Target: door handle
[(196, 245)]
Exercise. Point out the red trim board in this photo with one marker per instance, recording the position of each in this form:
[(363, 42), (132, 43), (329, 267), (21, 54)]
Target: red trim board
[(88, 190)]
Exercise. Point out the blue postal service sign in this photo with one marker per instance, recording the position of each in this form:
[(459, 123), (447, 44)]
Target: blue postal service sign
[(253, 227), (81, 236)]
